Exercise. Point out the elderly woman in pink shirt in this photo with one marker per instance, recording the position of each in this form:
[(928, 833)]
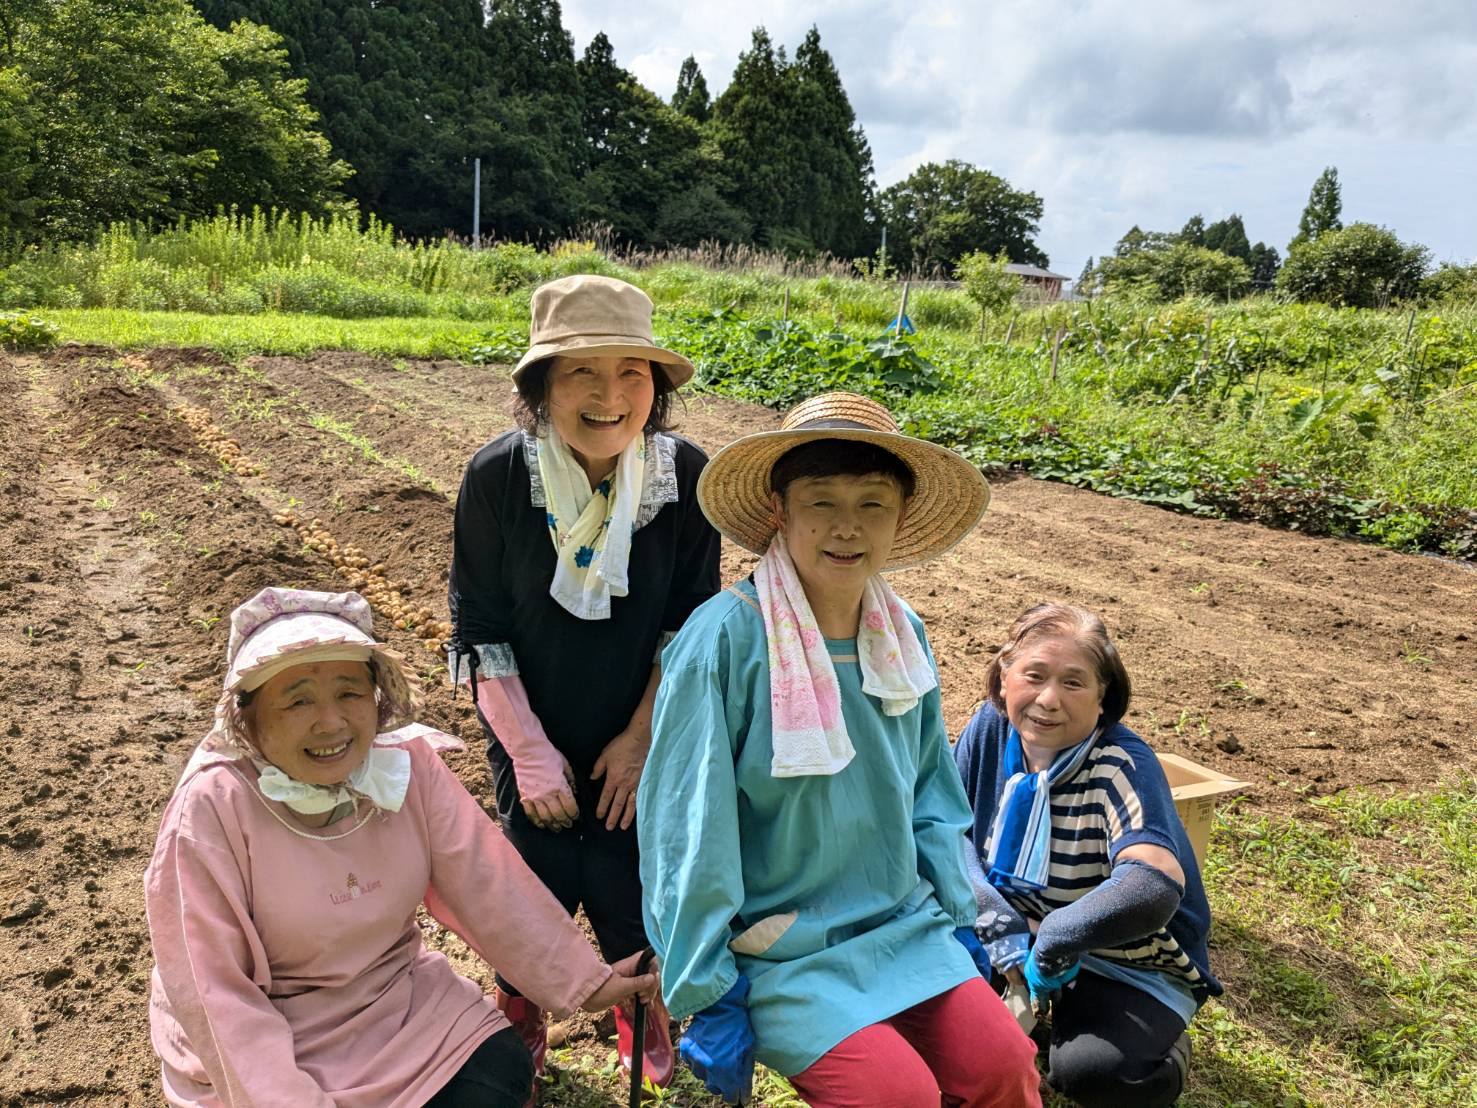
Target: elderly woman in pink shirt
[(307, 828)]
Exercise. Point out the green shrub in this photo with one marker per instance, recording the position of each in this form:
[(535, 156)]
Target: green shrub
[(987, 283), (1360, 266), (1451, 284), (1176, 270), (23, 331)]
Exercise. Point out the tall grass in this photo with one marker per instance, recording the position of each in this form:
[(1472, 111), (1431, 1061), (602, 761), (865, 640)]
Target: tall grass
[(235, 262)]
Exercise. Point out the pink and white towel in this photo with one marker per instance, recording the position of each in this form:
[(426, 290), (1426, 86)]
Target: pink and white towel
[(810, 736)]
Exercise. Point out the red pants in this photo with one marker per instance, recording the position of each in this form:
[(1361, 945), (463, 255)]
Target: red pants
[(961, 1048)]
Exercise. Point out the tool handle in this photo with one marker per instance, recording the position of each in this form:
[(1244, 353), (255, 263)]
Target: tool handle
[(638, 1033)]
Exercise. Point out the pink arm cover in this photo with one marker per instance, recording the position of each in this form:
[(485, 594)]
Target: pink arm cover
[(538, 767), (483, 890), (214, 970)]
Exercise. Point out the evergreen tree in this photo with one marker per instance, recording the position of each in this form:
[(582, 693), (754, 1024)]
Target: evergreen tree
[(1229, 237), (1193, 232), (798, 164), (751, 124), (691, 98), (835, 185), (1324, 210), (1084, 285), (529, 122), (640, 150), (411, 92)]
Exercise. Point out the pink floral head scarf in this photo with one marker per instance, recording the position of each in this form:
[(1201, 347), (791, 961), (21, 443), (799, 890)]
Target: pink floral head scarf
[(278, 628)]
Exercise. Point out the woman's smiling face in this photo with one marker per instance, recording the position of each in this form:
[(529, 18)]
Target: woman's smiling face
[(839, 530), (1053, 695), (599, 404), (316, 722)]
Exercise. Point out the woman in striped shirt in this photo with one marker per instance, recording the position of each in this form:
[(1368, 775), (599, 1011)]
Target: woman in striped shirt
[(1088, 888)]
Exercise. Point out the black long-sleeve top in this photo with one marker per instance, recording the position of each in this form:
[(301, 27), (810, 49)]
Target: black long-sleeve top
[(584, 677)]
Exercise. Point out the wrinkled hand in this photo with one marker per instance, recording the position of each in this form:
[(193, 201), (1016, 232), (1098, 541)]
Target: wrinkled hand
[(1045, 987), (622, 985), (719, 1045), (971, 942), (620, 763), (553, 809)]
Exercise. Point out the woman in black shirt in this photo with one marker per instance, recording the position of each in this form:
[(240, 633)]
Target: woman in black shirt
[(579, 550)]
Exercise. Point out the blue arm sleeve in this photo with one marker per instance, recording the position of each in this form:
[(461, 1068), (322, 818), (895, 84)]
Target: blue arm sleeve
[(687, 822), (1003, 930), (1136, 900)]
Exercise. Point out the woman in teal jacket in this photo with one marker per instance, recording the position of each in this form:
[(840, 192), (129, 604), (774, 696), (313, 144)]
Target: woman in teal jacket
[(803, 867)]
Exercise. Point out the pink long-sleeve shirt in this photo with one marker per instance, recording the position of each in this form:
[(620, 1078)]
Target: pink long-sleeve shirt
[(291, 971)]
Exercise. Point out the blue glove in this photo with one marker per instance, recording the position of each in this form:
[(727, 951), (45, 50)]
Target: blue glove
[(971, 942), (1044, 986), (719, 1045)]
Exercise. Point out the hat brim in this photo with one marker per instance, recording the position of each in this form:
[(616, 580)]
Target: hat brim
[(950, 496), (399, 692), (677, 368)]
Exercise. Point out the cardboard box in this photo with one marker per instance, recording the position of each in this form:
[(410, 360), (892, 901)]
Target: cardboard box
[(1197, 790)]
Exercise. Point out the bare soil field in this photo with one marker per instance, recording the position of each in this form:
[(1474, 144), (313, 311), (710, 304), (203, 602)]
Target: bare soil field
[(137, 504)]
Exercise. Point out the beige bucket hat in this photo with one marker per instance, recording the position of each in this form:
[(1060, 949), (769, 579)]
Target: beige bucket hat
[(591, 315), (950, 497)]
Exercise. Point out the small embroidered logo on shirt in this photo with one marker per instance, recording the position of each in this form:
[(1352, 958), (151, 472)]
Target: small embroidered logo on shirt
[(355, 890)]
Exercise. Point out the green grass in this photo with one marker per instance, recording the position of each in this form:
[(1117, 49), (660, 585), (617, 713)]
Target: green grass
[(236, 336), (1350, 930)]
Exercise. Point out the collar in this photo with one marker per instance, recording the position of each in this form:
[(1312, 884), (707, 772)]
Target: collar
[(658, 482)]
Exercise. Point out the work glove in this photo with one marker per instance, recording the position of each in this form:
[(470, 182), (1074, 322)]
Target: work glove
[(1004, 932), (1046, 986), (719, 1045), (971, 942)]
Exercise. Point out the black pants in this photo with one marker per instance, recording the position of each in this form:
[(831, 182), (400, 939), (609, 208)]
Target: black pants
[(499, 1074), (583, 866), (1110, 1046)]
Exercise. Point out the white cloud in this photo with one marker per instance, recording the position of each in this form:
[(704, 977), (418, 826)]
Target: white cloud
[(1119, 113)]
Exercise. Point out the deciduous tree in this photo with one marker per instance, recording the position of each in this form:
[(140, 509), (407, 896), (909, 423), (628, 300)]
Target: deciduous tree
[(1358, 266), (138, 109), (944, 211)]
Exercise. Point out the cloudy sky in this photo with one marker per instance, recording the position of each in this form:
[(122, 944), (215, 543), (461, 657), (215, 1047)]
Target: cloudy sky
[(1119, 112)]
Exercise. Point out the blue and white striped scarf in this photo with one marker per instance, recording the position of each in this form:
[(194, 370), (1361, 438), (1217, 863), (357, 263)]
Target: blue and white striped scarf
[(1018, 852)]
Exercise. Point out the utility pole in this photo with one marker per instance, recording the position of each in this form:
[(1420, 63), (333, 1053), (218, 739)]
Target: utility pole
[(476, 202)]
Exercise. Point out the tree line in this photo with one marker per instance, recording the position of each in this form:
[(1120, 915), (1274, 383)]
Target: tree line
[(1360, 265), (153, 110)]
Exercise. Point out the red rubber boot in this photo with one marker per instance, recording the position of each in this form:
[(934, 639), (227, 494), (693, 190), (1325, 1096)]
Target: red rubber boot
[(529, 1020), (659, 1060)]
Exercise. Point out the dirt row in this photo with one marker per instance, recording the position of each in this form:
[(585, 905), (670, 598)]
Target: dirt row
[(140, 497)]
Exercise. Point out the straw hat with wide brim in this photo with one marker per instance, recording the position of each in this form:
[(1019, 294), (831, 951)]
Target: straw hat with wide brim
[(596, 316), (948, 501)]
